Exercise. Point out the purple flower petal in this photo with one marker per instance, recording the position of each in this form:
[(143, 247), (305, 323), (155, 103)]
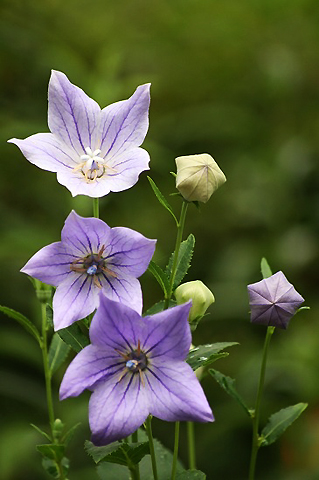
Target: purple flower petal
[(73, 116), (117, 408), (174, 392), (87, 235), (75, 298), (123, 289), (51, 264), (87, 368), (45, 151), (115, 325), (273, 301), (130, 252), (168, 334), (124, 124)]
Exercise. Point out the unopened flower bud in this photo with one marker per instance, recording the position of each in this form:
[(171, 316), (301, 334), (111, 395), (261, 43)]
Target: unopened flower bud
[(200, 295), (198, 176)]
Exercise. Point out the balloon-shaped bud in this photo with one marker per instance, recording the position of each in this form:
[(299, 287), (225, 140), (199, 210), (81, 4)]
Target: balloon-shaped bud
[(198, 176), (200, 295)]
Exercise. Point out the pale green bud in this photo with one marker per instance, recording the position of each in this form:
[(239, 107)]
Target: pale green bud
[(200, 295), (198, 177)]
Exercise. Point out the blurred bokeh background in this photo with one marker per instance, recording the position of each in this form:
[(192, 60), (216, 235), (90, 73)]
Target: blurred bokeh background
[(236, 79)]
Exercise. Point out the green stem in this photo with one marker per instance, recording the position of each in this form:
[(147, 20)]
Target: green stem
[(47, 373), (180, 229), (191, 446), (151, 442), (255, 418), (175, 455), (96, 210), (137, 467)]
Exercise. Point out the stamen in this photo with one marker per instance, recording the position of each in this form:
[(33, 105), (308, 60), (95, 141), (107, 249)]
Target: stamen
[(141, 377), (109, 272)]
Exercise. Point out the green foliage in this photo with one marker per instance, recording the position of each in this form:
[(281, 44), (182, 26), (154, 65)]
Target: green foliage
[(228, 384), (159, 307), (74, 337), (207, 354), (162, 199), (24, 321), (164, 460), (121, 453), (191, 475), (265, 268), (58, 352), (53, 451), (41, 432), (54, 469), (185, 255), (160, 276), (279, 422)]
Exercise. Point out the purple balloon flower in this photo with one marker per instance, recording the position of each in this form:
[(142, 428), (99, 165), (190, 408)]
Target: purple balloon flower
[(93, 151), (135, 367), (273, 301), (91, 257)]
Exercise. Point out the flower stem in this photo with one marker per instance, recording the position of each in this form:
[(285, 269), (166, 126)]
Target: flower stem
[(152, 450), (180, 229), (255, 417), (47, 373), (191, 446), (96, 210), (175, 455), (137, 467)]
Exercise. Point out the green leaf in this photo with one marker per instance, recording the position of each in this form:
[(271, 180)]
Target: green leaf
[(49, 314), (265, 268), (228, 384), (160, 276), (69, 434), (41, 431), (74, 337), (279, 422), (191, 475), (207, 354), (119, 453), (58, 352), (53, 451), (162, 199), (164, 458), (52, 468), (24, 321), (185, 255), (159, 307)]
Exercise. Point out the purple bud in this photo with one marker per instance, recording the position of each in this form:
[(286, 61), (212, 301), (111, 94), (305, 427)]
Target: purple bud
[(273, 301)]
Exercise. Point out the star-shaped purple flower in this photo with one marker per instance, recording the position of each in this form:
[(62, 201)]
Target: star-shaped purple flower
[(135, 367), (91, 257), (93, 151), (273, 301)]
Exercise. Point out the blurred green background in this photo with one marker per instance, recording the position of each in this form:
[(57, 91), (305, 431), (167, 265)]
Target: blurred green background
[(238, 79)]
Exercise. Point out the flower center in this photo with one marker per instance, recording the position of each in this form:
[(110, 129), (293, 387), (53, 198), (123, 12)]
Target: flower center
[(136, 361), (92, 265), (92, 166)]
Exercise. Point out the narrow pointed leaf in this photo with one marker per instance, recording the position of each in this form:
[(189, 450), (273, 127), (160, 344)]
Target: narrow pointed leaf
[(265, 268), (185, 255), (279, 422), (161, 198), (53, 451), (159, 307), (207, 354), (160, 276), (228, 384), (24, 321), (74, 337), (191, 475), (69, 434), (58, 352), (118, 452), (41, 432)]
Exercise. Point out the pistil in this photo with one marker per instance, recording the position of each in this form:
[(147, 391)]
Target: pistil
[(92, 165)]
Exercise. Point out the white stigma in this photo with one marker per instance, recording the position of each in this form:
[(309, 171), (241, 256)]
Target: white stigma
[(92, 165)]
